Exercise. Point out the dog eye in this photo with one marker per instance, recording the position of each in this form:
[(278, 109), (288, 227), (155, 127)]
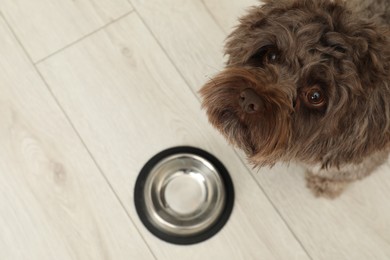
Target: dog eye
[(271, 56), (266, 55), (314, 98)]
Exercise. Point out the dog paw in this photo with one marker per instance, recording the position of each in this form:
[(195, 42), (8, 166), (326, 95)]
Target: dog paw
[(323, 187)]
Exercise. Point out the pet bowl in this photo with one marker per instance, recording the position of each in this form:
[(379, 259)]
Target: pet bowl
[(184, 195)]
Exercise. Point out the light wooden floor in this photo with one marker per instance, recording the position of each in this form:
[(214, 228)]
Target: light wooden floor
[(91, 89)]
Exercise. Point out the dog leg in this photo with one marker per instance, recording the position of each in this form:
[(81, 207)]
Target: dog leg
[(325, 187), (330, 183)]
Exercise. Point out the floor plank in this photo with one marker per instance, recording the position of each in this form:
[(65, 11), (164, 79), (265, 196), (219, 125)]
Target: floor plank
[(54, 202), (128, 102), (45, 26), (350, 228), (226, 12)]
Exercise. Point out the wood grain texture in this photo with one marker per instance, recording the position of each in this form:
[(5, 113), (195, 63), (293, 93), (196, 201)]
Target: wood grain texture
[(352, 227), (54, 202), (45, 26), (128, 102)]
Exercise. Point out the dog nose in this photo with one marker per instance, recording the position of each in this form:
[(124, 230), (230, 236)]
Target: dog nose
[(250, 102)]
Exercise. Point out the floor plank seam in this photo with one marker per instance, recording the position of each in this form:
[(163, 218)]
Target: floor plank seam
[(110, 186), (75, 130), (165, 52), (83, 37), (274, 206)]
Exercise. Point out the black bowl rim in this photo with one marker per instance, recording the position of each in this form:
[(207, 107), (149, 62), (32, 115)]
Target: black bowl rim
[(191, 239)]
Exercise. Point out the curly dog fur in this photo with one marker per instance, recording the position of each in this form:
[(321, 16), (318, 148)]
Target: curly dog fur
[(308, 81)]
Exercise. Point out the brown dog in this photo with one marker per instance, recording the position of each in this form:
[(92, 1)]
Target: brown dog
[(308, 81)]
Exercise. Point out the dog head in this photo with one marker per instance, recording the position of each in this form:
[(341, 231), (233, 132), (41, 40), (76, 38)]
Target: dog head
[(305, 80)]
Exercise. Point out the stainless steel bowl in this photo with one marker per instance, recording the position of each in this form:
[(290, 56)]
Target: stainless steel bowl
[(184, 195)]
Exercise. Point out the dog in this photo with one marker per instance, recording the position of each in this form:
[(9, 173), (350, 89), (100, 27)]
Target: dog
[(308, 81)]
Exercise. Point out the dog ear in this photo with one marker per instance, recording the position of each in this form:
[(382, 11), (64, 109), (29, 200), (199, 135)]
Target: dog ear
[(371, 53), (363, 80), (367, 46)]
